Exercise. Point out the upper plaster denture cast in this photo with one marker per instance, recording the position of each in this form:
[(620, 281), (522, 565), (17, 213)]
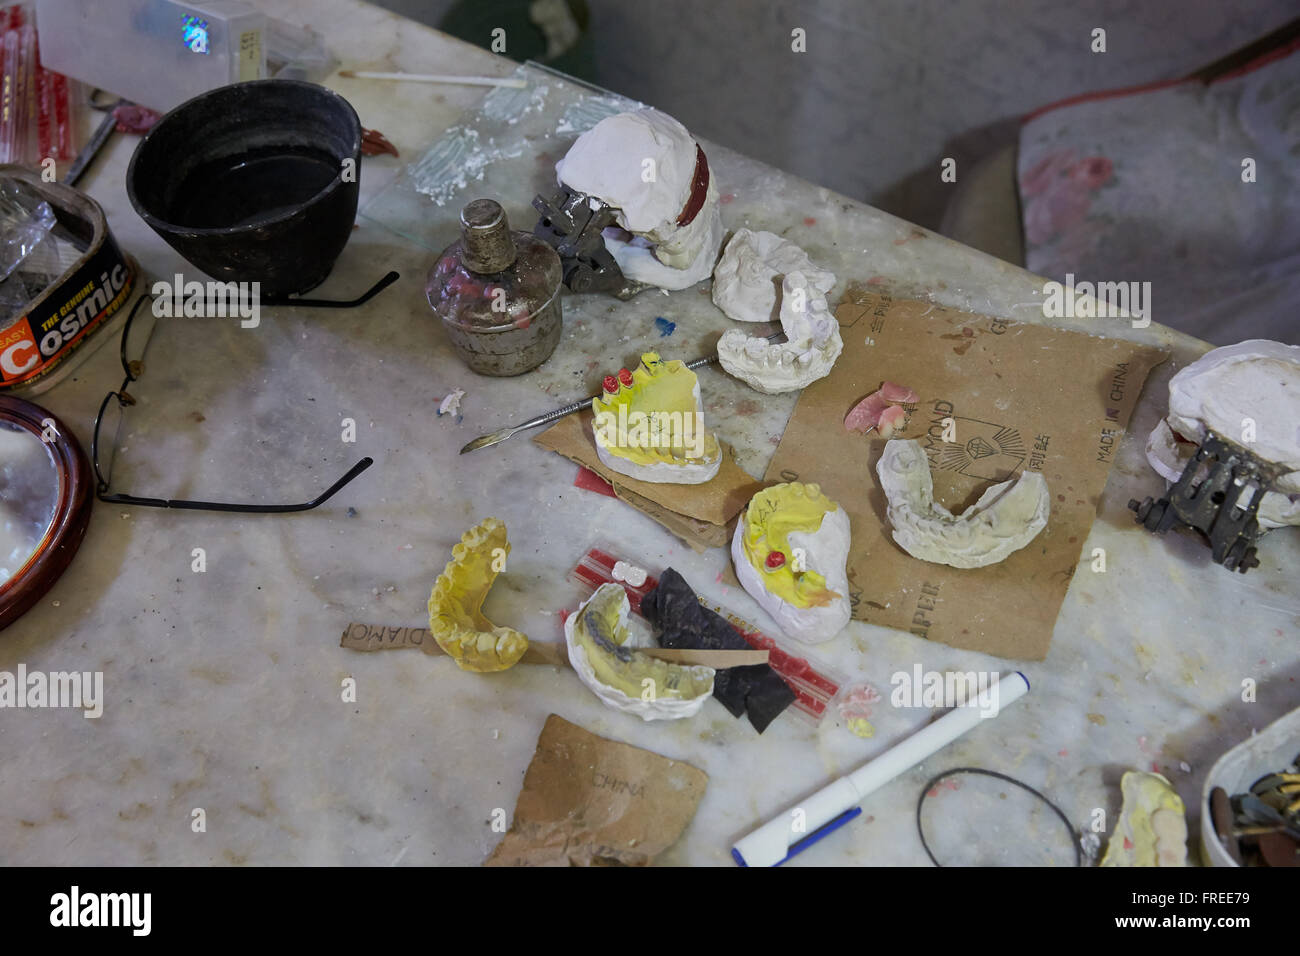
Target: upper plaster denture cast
[(646, 165), (1005, 518), (1249, 395), (791, 551), (598, 642), (456, 605), (746, 281), (812, 343), (649, 424)]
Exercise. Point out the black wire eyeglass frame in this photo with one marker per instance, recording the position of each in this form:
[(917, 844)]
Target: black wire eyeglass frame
[(133, 369)]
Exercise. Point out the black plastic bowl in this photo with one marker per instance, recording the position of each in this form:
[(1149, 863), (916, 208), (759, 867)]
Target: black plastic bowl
[(249, 182)]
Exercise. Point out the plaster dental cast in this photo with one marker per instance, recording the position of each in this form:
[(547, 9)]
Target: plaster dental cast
[(1005, 518), (649, 424), (645, 164), (812, 343), (1249, 395), (600, 649), (747, 281), (790, 551)]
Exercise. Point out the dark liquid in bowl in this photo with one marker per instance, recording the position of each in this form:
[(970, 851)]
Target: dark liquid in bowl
[(252, 187)]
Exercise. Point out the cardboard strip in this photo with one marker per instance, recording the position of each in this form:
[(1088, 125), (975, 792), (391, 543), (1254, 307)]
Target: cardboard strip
[(698, 514)]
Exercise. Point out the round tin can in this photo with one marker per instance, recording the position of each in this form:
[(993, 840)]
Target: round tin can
[(72, 314)]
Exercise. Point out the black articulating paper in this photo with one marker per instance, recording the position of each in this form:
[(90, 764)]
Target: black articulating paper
[(757, 691)]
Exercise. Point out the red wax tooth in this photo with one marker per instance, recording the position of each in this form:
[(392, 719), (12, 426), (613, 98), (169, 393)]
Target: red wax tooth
[(775, 559), (625, 376), (611, 383)]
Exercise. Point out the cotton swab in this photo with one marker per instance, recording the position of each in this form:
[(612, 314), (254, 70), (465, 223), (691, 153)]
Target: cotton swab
[(509, 81)]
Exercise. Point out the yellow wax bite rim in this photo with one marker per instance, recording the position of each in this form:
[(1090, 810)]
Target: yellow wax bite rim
[(456, 618), (657, 387), (772, 515)]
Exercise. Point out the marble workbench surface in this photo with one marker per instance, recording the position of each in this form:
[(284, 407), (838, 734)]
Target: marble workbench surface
[(223, 688)]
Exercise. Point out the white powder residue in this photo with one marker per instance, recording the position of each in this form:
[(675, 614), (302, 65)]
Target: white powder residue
[(456, 160), (586, 111)]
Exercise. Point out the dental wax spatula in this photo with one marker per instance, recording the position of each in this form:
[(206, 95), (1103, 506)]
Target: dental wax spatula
[(555, 416)]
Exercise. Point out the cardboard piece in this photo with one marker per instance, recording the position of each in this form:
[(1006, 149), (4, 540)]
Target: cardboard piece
[(379, 637), (698, 514), (588, 801), (1018, 396)]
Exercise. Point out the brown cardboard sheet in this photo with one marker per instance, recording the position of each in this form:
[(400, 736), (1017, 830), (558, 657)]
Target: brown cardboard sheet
[(1017, 396), (588, 801)]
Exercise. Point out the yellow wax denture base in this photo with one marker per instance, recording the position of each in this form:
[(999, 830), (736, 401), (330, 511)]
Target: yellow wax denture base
[(600, 632), (773, 514), (456, 605), (1152, 830), (663, 395)]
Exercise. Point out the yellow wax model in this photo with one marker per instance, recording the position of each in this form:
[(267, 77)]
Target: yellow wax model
[(649, 424), (790, 552), (456, 605)]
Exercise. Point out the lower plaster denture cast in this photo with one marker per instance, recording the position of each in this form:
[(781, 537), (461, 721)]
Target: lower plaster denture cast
[(745, 281), (456, 605), (597, 638), (791, 551), (1152, 830), (649, 424), (649, 167), (1248, 394), (1005, 518), (812, 343)]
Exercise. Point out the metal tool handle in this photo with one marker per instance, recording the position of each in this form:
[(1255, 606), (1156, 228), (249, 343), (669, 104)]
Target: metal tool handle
[(555, 415), (586, 402)]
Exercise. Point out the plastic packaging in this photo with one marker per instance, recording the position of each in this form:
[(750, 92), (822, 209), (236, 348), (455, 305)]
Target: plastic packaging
[(155, 53), (38, 109), (25, 220), (296, 53)]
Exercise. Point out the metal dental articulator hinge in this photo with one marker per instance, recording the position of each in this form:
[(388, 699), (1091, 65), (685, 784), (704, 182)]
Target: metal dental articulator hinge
[(571, 222), (1218, 494)]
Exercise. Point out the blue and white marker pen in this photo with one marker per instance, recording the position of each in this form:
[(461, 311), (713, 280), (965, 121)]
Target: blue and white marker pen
[(835, 805)]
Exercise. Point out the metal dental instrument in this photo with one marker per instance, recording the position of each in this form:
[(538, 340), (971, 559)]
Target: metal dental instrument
[(554, 416)]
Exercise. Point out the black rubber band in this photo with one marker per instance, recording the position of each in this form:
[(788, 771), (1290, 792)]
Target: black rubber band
[(925, 791)]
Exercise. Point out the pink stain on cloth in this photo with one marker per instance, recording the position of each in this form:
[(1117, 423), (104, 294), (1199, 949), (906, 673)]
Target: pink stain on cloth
[(1058, 192), (881, 411)]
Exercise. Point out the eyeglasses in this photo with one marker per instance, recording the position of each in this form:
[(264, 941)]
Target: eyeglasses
[(108, 421)]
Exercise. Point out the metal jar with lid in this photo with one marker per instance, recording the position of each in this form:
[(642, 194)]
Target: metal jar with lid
[(497, 293)]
